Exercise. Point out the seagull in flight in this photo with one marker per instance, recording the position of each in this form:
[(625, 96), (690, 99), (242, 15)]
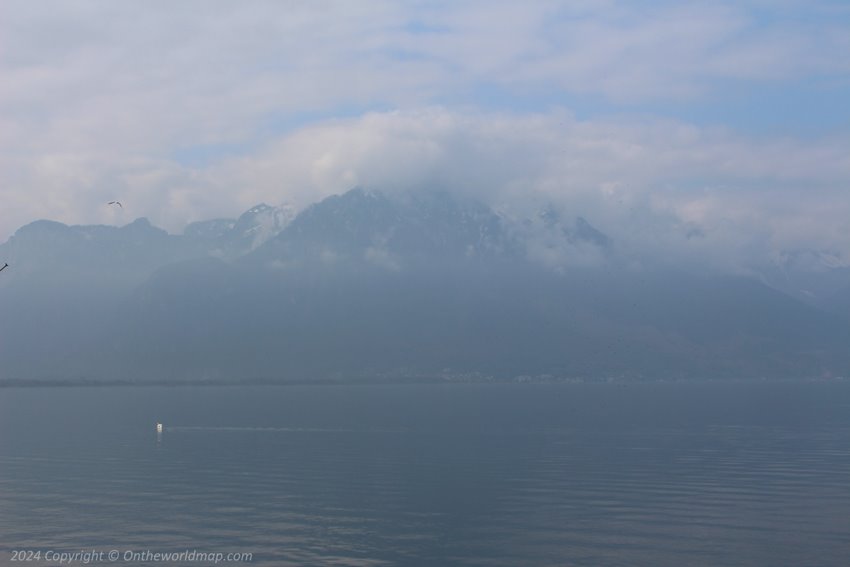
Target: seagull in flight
[(115, 203), (5, 265)]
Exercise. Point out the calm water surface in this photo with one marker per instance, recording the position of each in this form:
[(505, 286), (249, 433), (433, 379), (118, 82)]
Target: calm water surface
[(654, 475)]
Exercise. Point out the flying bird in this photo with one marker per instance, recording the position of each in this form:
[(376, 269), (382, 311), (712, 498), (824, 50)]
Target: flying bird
[(5, 265), (115, 203)]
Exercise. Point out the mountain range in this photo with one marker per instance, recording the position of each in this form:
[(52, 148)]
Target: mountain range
[(366, 286)]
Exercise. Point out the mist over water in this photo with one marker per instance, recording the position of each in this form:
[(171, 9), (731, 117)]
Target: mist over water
[(581, 474)]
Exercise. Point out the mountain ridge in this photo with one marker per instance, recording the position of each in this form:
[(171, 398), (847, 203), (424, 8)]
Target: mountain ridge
[(366, 285)]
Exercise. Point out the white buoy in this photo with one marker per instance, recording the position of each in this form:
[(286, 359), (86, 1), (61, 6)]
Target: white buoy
[(158, 427)]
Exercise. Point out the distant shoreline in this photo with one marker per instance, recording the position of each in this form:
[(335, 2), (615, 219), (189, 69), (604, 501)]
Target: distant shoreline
[(389, 382)]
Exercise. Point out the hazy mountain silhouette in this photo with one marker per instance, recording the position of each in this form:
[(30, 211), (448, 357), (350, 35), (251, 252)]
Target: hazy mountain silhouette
[(369, 286), (231, 238)]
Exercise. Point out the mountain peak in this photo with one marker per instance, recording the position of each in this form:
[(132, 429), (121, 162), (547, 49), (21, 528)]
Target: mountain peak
[(142, 226), (42, 227), (256, 210), (262, 222), (583, 231), (362, 226), (549, 216)]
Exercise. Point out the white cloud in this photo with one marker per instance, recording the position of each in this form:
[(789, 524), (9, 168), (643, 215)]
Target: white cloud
[(644, 182), (99, 100)]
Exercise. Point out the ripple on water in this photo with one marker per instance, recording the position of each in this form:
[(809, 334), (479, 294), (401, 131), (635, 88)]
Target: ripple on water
[(404, 492)]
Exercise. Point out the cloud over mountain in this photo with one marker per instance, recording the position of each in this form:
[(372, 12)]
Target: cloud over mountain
[(635, 179), (723, 119), (520, 148), (409, 285)]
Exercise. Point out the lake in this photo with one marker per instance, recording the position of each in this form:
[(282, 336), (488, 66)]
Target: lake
[(458, 474)]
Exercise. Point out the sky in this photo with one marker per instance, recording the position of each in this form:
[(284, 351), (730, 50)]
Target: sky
[(727, 120)]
